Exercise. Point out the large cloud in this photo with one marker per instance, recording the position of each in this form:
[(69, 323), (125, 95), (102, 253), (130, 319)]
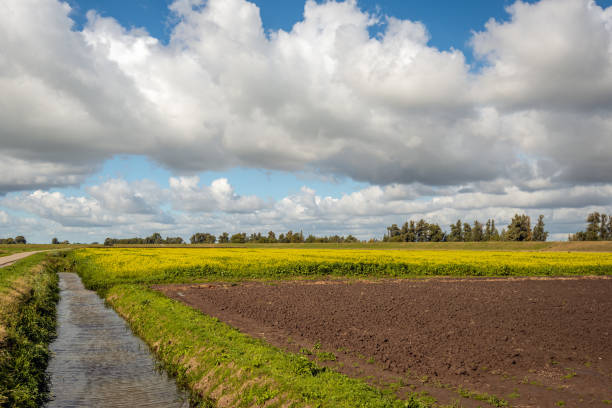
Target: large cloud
[(4, 218), (186, 195), (324, 97), (88, 212)]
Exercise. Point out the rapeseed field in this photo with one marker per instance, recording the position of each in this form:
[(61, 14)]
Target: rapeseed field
[(105, 267)]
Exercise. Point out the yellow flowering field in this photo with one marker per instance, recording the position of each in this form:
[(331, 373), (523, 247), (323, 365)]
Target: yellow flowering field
[(104, 267)]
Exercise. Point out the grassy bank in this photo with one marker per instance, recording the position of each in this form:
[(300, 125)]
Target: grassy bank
[(229, 369), (28, 296), (103, 268)]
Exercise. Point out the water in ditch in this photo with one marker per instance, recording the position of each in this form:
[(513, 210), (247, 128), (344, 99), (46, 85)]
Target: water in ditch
[(98, 362)]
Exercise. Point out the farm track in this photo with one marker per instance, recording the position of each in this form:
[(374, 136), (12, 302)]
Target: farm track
[(8, 260), (534, 342)]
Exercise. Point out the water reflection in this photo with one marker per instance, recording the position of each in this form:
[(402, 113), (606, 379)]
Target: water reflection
[(98, 362)]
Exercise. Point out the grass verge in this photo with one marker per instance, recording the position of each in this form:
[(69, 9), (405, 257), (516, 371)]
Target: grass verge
[(226, 368), (28, 293)]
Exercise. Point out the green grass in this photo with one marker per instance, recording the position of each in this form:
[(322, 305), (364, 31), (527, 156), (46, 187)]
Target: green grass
[(220, 363), (30, 327), (490, 399), (20, 268)]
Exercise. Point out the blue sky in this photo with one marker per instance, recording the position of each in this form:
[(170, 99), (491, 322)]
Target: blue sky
[(323, 129)]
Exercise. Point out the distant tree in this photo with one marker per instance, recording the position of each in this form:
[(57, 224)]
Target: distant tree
[(411, 236), (256, 238), (456, 233), (350, 238), (538, 233), (422, 230), (599, 227), (604, 234), (477, 232), (491, 233), (494, 232), (174, 240), (224, 238), (289, 237), (408, 232), (487, 231), (519, 228), (271, 237), (503, 235), (435, 233), (295, 238), (467, 232), (155, 238), (20, 239), (239, 238), (394, 233), (55, 241), (202, 238), (593, 226)]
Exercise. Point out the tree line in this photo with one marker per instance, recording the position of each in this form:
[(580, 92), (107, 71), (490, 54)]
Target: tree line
[(289, 237), (599, 228), (239, 238), (519, 229), (19, 239), (154, 239)]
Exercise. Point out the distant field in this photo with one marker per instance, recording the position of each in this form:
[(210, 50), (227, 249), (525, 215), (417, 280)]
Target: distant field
[(104, 267), (588, 246)]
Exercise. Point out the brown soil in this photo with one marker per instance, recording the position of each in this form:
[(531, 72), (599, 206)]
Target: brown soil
[(533, 342)]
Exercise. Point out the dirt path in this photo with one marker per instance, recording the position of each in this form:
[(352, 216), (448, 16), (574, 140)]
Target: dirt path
[(533, 342), (11, 259)]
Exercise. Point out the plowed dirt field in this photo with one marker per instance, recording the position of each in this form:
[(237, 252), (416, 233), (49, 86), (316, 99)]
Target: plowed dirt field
[(533, 342)]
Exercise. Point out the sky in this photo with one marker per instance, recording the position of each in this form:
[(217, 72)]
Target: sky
[(120, 119)]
